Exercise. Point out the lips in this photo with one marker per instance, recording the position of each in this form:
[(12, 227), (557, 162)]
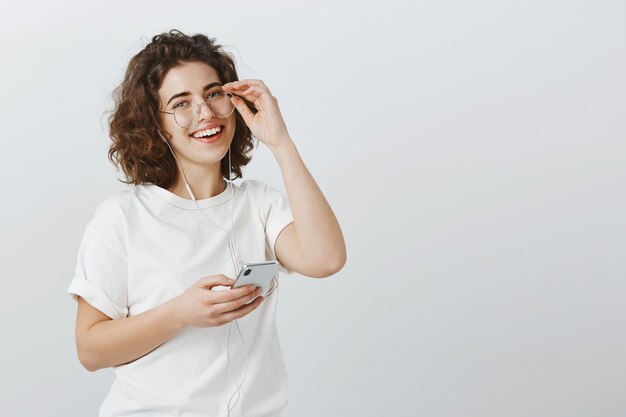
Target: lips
[(210, 139), (206, 128)]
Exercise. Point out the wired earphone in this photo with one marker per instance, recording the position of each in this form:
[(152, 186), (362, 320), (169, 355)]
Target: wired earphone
[(234, 254)]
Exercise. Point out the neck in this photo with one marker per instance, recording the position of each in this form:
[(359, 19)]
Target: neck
[(205, 182)]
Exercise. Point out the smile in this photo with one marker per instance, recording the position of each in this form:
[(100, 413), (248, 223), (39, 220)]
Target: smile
[(209, 135)]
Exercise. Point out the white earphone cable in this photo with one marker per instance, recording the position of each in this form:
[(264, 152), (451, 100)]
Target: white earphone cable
[(232, 246)]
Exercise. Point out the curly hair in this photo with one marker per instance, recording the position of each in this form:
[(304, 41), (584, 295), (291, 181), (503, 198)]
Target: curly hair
[(137, 148)]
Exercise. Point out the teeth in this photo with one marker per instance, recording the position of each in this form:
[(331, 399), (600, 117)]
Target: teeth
[(207, 132)]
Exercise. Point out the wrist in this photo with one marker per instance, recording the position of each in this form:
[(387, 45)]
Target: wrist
[(172, 312), (287, 146)]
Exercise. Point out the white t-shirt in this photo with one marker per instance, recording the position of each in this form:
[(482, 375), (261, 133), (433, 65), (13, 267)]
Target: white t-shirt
[(145, 246)]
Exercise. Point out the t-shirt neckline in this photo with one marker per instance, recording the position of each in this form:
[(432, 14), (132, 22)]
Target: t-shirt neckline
[(185, 203)]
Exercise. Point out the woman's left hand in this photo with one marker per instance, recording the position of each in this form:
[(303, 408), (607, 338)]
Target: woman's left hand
[(267, 124)]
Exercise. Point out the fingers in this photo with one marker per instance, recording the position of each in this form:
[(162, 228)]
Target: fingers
[(221, 297), (244, 84), (253, 94), (213, 281), (228, 306), (225, 306), (254, 91), (243, 109), (241, 311)]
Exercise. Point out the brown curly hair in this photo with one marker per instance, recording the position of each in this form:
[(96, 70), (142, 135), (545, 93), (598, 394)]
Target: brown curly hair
[(137, 148)]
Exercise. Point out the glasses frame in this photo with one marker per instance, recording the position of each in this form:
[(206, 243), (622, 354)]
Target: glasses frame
[(208, 103)]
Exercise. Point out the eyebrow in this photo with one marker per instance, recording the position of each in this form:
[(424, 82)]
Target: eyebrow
[(186, 93)]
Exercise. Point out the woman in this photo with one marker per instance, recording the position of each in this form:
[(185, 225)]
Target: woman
[(154, 256)]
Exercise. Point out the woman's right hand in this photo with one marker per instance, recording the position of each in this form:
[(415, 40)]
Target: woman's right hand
[(201, 306)]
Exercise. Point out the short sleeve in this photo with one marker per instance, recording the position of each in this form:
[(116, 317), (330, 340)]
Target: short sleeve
[(277, 215), (101, 275)]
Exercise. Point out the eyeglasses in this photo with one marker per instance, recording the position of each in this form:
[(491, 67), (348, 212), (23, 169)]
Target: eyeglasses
[(185, 113)]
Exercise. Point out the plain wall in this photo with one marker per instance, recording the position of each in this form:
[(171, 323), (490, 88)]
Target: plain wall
[(473, 153)]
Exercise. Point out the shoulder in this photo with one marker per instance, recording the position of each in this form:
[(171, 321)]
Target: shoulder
[(260, 188), (111, 216), (253, 187), (263, 193), (114, 207), (254, 190)]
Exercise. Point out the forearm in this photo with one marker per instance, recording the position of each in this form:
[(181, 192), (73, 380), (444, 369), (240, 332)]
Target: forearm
[(318, 232), (116, 342)]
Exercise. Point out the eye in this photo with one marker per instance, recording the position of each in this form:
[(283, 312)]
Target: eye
[(180, 104), (214, 94)]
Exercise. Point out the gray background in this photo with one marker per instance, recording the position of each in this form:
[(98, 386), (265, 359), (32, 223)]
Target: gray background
[(472, 151)]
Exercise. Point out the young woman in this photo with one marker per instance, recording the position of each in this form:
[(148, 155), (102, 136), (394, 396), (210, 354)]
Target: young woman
[(155, 265)]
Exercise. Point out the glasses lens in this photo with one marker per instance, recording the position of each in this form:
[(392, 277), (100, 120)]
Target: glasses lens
[(220, 104), (183, 115)]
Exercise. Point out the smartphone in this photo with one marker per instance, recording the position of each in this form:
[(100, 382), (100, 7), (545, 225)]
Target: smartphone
[(259, 274)]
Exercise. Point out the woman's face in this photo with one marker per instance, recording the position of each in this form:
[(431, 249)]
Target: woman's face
[(190, 84)]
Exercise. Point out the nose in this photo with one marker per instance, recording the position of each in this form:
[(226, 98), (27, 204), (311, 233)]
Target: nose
[(204, 111)]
